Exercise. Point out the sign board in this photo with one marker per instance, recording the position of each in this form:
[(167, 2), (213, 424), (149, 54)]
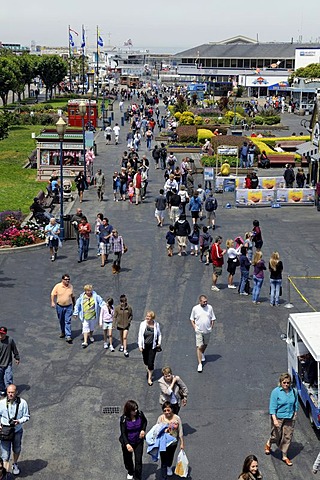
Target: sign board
[(305, 56), (197, 87), (208, 174), (298, 196), (229, 184), (227, 150), (89, 139), (246, 197)]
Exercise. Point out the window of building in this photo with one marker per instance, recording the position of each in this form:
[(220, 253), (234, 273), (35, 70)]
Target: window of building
[(208, 63), (233, 62), (288, 64), (246, 63), (240, 63), (253, 63), (220, 62), (214, 62), (260, 63), (227, 62)]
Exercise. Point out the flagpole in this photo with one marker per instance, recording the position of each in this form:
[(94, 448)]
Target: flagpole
[(82, 60), (70, 66), (97, 70)]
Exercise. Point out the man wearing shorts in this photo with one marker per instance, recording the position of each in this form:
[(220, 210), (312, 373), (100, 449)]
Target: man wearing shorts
[(217, 262), (15, 408), (202, 319), (181, 230), (122, 318), (105, 232), (160, 203)]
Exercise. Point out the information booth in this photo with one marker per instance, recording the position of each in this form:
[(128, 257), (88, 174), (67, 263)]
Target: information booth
[(74, 117), (48, 153)]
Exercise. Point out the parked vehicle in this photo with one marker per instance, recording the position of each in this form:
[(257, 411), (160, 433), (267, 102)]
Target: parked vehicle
[(303, 347)]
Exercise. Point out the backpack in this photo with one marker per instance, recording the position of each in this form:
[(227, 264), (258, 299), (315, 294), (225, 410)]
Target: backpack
[(211, 204)]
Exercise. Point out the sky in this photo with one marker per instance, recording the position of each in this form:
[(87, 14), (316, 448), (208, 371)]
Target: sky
[(164, 25)]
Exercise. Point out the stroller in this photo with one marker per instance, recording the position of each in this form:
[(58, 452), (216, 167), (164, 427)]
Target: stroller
[(67, 192)]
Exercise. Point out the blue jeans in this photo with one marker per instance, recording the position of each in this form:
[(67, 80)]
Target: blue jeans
[(83, 248), (257, 284), (98, 242), (250, 159), (243, 162), (275, 291), (243, 279), (148, 143), (64, 315), (6, 377)]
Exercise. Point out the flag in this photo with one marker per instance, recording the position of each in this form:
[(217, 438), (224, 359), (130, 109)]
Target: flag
[(71, 40), (83, 43), (71, 30), (128, 42), (100, 41)]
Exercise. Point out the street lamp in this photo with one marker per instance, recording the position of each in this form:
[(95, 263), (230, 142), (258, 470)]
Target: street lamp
[(235, 91), (61, 127), (83, 111)]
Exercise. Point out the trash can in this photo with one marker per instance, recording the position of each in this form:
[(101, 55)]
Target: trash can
[(126, 116), (95, 148), (192, 166), (69, 231)]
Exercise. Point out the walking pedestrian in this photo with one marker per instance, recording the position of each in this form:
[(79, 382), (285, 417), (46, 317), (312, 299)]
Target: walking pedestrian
[(116, 131), (13, 409), (149, 342), (175, 430), (205, 244), (105, 233), (84, 239), (210, 207), (160, 203), (283, 409), (75, 220), (99, 182), (244, 270), (181, 230), (123, 315), (81, 184), (173, 390), (171, 239), (257, 235), (8, 351), (106, 322), (117, 248), (202, 319), (250, 469), (52, 232), (87, 308), (133, 425), (233, 261), (63, 300), (217, 262)]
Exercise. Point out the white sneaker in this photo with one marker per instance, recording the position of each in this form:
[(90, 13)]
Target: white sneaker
[(129, 477), (169, 471), (203, 358), (215, 289), (244, 293), (111, 348), (16, 469), (232, 286), (200, 367), (106, 345), (91, 339)]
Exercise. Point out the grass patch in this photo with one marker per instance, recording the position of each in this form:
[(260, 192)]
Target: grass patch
[(18, 186)]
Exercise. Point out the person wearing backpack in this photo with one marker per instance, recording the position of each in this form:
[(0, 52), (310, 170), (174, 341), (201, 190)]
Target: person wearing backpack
[(210, 207), (205, 244), (163, 156)]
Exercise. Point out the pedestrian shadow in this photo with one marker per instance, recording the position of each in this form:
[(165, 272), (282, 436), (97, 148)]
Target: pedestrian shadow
[(29, 467), (188, 430), (23, 388), (150, 470), (212, 358), (295, 449)]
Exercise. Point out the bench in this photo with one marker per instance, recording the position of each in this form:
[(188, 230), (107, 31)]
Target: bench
[(46, 201), (280, 160)]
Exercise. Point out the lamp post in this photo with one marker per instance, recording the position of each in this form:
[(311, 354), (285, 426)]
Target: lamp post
[(235, 91), (61, 127), (83, 111)]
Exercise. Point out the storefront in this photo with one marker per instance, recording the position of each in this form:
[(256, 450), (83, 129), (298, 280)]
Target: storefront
[(48, 154)]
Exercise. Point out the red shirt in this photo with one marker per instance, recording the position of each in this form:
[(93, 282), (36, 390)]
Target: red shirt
[(216, 255)]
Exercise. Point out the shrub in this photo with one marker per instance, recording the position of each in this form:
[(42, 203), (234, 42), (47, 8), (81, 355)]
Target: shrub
[(204, 134), (4, 127), (198, 120), (12, 234), (272, 120), (177, 115), (187, 133), (258, 120), (186, 118), (210, 161)]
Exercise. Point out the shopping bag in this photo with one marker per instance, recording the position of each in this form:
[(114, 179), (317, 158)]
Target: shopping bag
[(182, 466)]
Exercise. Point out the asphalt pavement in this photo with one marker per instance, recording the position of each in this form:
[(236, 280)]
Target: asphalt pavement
[(226, 418)]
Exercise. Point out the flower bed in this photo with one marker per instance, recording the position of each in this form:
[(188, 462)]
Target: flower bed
[(13, 234)]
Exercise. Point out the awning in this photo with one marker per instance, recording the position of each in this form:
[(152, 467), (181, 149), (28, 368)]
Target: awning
[(307, 148), (279, 86)]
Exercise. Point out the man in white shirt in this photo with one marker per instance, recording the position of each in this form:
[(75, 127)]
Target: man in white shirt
[(202, 319), (116, 131)]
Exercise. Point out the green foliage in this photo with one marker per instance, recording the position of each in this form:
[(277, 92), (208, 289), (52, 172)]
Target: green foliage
[(210, 161), (186, 118), (258, 120), (204, 134), (4, 126), (198, 120), (181, 104), (312, 70), (52, 69), (272, 120), (10, 76)]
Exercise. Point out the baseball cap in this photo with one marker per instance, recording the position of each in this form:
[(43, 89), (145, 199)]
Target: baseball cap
[(3, 330)]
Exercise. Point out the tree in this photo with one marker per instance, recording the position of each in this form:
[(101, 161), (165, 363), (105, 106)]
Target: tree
[(4, 127), (52, 69), (28, 66), (181, 104), (10, 76), (310, 71)]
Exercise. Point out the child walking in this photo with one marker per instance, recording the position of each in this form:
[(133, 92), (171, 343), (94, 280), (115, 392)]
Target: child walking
[(131, 192), (105, 321), (170, 237), (205, 243)]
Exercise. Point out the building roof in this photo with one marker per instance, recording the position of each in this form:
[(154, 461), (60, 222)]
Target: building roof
[(239, 49)]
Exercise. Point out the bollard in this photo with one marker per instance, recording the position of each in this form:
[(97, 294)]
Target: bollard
[(109, 120), (112, 116), (289, 304), (122, 121)]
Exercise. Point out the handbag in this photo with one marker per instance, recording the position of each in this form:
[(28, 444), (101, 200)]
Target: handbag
[(7, 432), (125, 248)]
